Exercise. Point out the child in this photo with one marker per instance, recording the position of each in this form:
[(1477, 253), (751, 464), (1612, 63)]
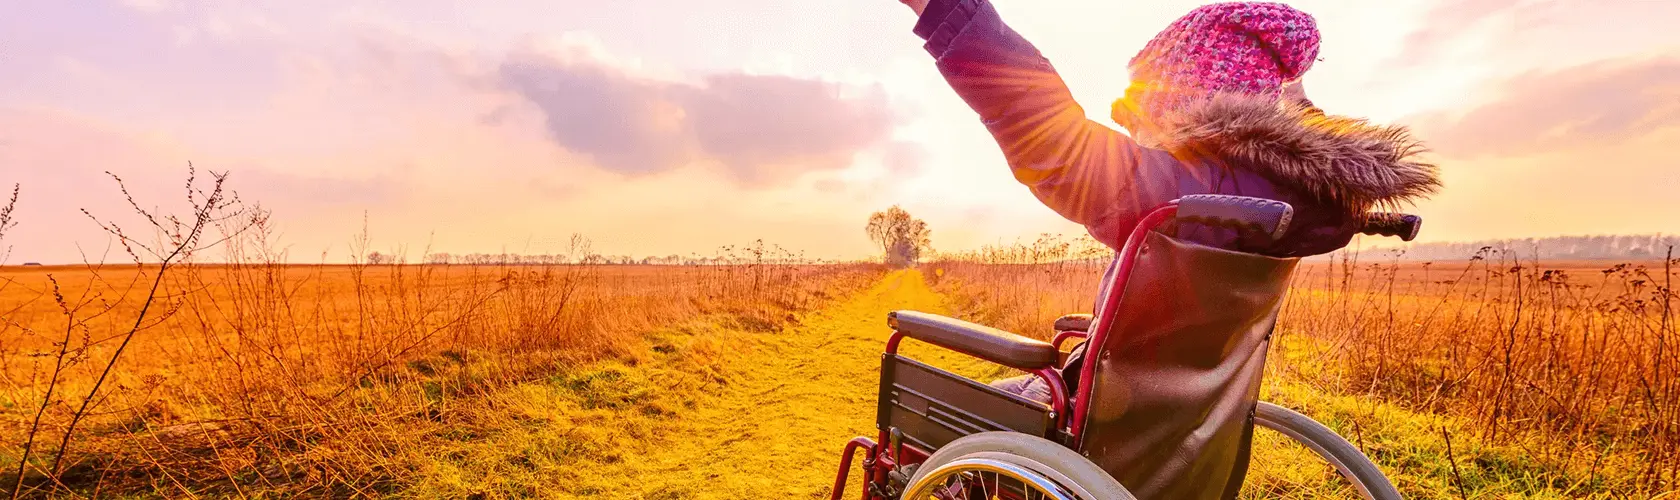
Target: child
[(1215, 106)]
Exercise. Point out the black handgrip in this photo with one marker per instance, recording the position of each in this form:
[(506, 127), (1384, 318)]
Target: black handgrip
[(1259, 215), (1392, 224)]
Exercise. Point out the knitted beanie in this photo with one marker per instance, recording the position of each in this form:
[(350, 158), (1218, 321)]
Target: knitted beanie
[(1244, 47)]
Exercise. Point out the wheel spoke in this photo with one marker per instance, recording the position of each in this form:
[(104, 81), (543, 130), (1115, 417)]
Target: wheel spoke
[(987, 483)]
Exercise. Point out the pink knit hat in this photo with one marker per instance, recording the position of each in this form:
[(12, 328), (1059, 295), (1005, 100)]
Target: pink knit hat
[(1246, 47)]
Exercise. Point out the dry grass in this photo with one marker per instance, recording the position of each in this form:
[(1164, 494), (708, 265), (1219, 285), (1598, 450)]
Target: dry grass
[(1024, 287), (1549, 378), (1570, 363), (253, 377), (303, 378)]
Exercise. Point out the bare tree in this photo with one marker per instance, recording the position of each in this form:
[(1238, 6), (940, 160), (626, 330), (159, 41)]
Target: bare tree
[(902, 237)]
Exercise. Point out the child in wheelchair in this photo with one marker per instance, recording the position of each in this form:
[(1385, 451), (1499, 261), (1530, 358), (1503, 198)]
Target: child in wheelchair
[(1215, 106)]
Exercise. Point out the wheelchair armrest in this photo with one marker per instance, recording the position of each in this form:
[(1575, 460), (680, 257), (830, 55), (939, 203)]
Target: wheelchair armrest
[(980, 341), (1073, 323)]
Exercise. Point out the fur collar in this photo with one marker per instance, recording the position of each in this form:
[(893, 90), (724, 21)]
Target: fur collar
[(1344, 161)]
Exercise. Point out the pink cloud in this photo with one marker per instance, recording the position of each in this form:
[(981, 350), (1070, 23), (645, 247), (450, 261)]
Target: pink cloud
[(1516, 34), (1446, 23), (1595, 104), (65, 163), (1585, 149), (761, 128)]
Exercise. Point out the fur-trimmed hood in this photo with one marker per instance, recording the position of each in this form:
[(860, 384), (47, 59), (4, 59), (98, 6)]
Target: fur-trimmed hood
[(1343, 161)]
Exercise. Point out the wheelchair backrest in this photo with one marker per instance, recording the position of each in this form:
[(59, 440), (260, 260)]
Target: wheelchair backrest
[(1178, 376)]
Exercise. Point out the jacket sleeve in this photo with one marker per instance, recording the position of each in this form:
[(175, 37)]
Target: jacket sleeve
[(1088, 173)]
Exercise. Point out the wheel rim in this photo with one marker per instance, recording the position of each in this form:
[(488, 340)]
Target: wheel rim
[(988, 479)]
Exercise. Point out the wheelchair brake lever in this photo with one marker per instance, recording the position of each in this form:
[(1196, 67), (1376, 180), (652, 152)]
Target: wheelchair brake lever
[(895, 442), (900, 474)]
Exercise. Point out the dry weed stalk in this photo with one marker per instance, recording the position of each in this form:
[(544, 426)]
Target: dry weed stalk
[(175, 240), (7, 222)]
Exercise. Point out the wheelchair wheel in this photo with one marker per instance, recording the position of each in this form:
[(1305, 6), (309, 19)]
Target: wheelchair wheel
[(1010, 465), (1349, 462)]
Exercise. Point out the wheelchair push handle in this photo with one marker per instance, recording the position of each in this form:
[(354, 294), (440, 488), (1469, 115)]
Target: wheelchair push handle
[(1257, 215), (1392, 224)]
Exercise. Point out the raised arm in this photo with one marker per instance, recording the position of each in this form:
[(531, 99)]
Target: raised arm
[(1085, 171)]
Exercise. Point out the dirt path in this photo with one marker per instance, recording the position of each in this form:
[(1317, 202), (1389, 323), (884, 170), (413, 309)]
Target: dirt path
[(796, 398)]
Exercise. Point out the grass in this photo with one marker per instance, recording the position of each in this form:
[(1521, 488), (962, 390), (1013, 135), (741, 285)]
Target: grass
[(323, 379)]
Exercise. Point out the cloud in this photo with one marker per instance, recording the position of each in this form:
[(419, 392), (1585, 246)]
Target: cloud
[(1444, 25), (760, 128), (1512, 34), (625, 124), (1599, 103), (61, 160), (752, 120)]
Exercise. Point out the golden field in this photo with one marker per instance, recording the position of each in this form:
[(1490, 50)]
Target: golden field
[(324, 380)]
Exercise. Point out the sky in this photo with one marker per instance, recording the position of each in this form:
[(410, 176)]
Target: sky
[(692, 125)]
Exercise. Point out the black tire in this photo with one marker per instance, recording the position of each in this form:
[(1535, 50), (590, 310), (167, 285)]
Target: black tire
[(1348, 460), (1044, 457)]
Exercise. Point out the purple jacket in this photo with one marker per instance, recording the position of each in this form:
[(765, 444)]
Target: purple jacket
[(1331, 169)]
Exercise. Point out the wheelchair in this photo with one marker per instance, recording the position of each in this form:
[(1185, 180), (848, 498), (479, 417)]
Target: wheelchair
[(1163, 403)]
